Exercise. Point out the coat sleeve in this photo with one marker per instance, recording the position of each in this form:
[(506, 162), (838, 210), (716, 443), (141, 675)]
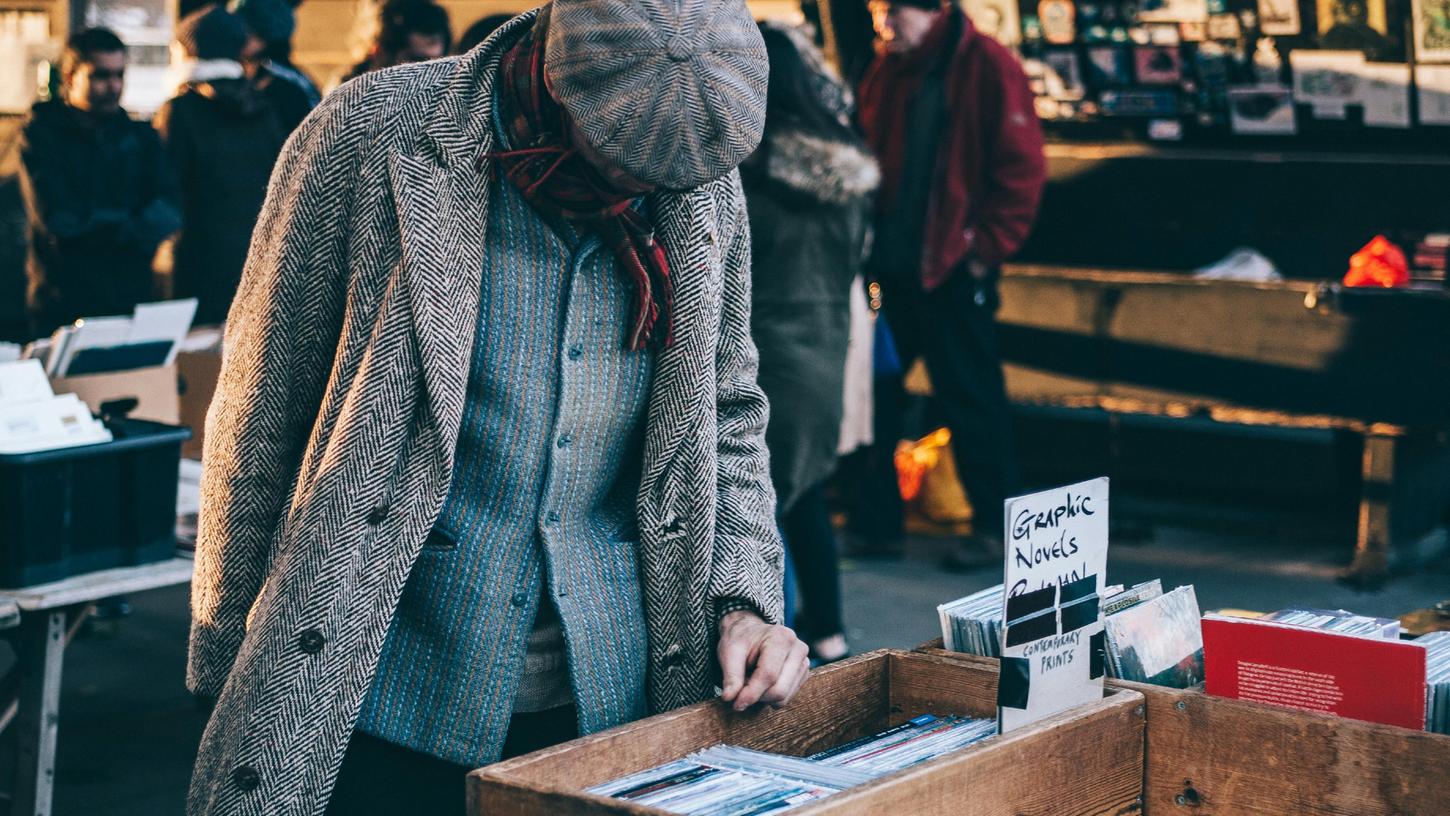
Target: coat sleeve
[(1016, 169), (746, 572), (281, 338)]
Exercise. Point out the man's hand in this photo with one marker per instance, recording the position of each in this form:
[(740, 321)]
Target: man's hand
[(775, 659)]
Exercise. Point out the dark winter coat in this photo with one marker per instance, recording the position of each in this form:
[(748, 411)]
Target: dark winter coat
[(223, 138), (100, 197), (808, 200)]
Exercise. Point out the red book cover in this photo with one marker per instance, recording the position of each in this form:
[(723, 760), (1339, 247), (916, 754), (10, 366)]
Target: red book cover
[(1358, 677)]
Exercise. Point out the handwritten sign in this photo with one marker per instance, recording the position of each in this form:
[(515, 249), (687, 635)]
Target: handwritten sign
[(1056, 562)]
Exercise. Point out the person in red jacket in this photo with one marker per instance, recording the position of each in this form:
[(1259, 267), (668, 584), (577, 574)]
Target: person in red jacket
[(949, 114)]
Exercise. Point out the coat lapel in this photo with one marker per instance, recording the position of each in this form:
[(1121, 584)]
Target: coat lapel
[(441, 225), (440, 190)]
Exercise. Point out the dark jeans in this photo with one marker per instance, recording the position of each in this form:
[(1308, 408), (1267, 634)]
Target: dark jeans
[(379, 778), (812, 543), (953, 329)]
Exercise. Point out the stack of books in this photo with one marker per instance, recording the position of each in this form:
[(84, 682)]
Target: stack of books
[(727, 779)]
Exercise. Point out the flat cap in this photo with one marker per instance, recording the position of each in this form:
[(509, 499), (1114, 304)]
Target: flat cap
[(673, 91)]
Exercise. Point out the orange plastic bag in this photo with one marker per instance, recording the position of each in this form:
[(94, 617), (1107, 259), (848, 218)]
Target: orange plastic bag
[(1380, 263)]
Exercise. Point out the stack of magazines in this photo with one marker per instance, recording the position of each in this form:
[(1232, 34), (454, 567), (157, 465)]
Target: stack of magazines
[(1437, 681), (730, 781), (923, 738), (1338, 620), (973, 624), (1154, 637), (1151, 636)]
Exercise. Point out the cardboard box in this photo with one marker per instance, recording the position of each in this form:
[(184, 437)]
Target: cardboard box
[(1084, 761), (1212, 755), (155, 390), (198, 372)]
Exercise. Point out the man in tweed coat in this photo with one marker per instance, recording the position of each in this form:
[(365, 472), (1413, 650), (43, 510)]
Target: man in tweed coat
[(447, 362)]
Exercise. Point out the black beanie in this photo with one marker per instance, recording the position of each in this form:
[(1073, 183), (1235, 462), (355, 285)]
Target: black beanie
[(212, 33)]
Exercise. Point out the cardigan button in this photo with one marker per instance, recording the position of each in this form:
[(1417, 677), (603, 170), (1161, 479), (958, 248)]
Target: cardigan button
[(519, 599)]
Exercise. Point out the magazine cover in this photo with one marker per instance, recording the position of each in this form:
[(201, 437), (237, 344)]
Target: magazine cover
[(1159, 641)]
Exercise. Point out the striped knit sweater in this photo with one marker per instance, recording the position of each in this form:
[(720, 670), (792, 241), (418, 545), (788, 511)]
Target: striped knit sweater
[(541, 509)]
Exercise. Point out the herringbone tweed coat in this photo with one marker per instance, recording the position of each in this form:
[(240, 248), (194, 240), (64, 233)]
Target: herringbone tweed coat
[(330, 442)]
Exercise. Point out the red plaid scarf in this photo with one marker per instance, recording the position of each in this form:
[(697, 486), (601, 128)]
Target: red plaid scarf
[(551, 174)]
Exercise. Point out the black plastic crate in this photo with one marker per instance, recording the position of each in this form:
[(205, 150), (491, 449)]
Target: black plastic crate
[(74, 510)]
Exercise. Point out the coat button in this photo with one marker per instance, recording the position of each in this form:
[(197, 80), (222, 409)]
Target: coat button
[(519, 599), (378, 514), (311, 641), (246, 778), (673, 656)]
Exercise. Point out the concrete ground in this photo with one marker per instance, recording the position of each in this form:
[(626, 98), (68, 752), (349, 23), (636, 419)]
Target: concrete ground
[(129, 731)]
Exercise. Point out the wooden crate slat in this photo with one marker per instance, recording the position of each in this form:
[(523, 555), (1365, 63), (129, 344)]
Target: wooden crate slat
[(1085, 762), (1212, 755), (1079, 763)]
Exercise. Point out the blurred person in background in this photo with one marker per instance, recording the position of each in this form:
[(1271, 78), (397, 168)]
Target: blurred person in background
[(266, 59), (808, 191), (949, 115), (99, 193), (408, 31), (223, 136), (479, 31)]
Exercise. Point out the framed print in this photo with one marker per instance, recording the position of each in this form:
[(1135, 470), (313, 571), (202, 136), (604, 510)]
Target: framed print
[(1432, 82), (1262, 110), (1059, 21), (1327, 81), (1064, 75), (1173, 11), (1279, 18), (1107, 66), (1432, 30), (1157, 66), (1224, 27), (1355, 25), (997, 19)]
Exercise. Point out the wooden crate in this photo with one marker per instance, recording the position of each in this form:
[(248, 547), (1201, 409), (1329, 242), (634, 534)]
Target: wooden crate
[(1081, 762), (1212, 755)]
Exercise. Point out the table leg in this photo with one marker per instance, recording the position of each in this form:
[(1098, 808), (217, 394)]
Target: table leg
[(40, 646), (1372, 544)]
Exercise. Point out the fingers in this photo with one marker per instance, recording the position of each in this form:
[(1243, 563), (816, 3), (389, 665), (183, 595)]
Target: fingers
[(771, 662), (734, 654), (797, 669)]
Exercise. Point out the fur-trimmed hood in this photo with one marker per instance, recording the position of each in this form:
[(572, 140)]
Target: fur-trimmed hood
[(829, 171)]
